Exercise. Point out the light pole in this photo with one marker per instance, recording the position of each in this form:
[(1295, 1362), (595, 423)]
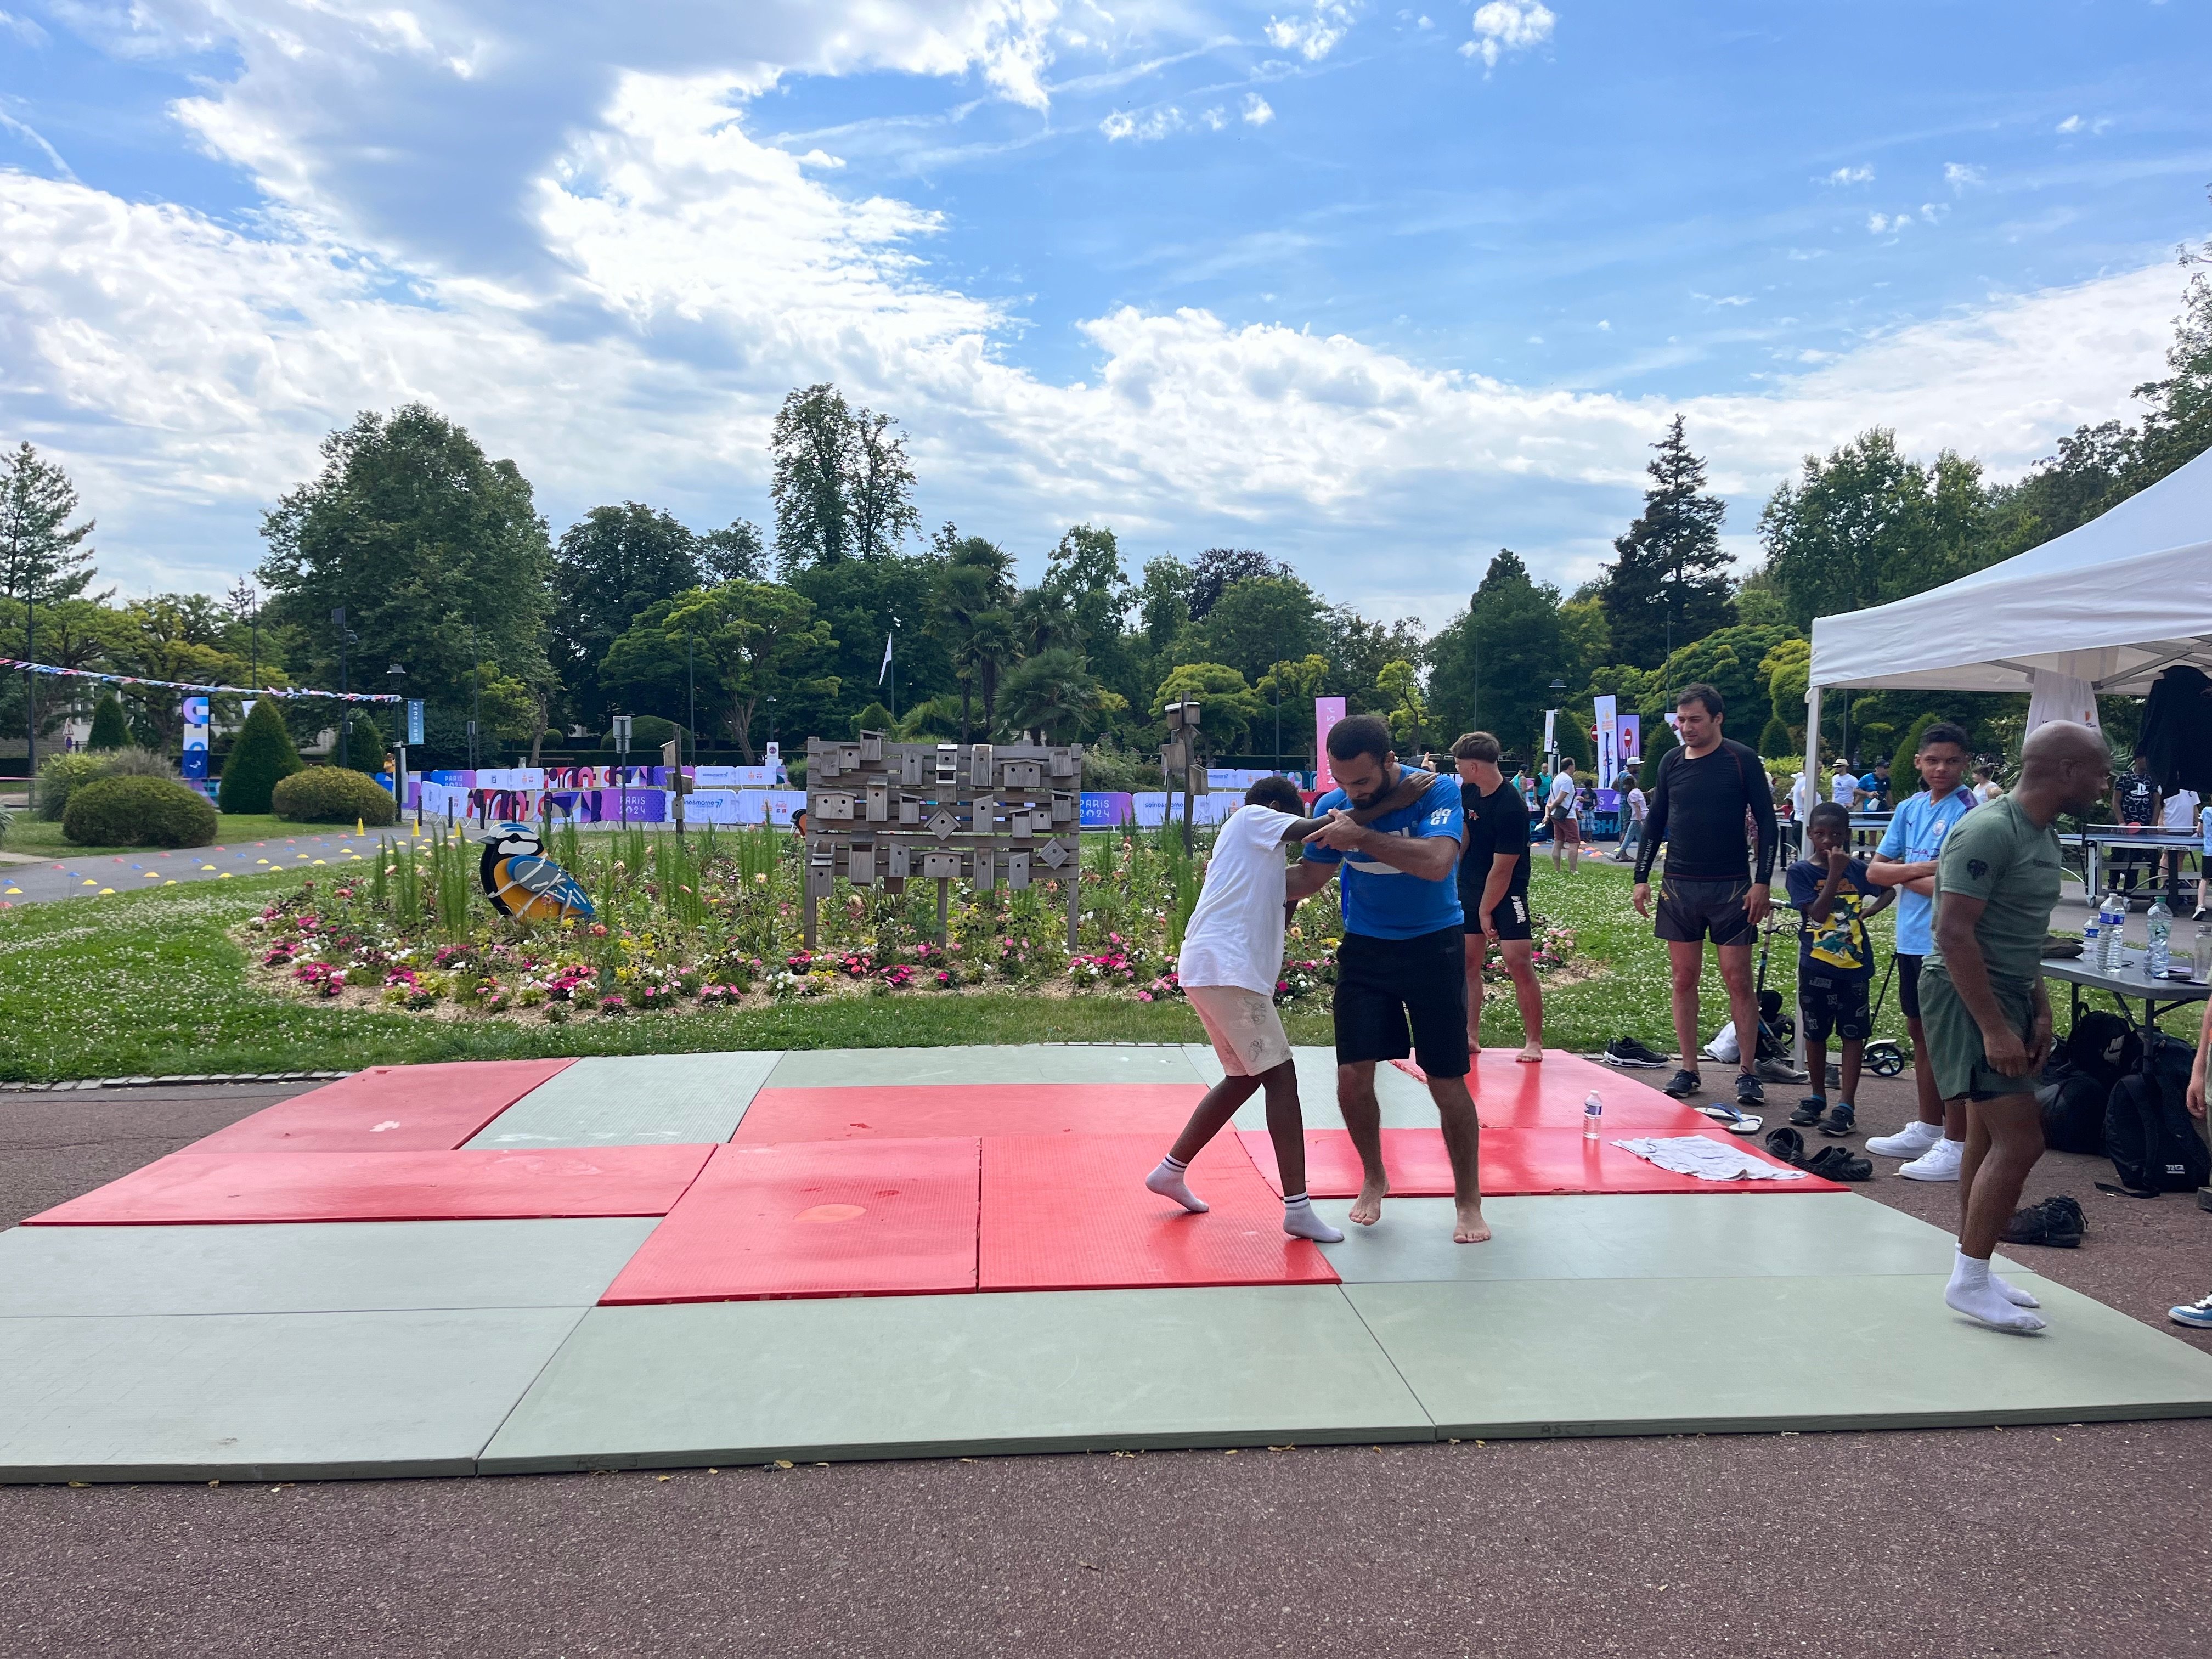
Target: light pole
[(398, 677), (1559, 686), (345, 707)]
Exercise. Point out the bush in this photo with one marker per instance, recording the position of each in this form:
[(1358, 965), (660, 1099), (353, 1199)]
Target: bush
[(109, 730), (646, 731), (61, 777), (1905, 765), (263, 755), (1659, 737), (138, 812), (331, 794), (1774, 743), (136, 763)]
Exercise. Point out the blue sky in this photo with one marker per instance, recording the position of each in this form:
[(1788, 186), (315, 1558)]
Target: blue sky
[(1376, 289)]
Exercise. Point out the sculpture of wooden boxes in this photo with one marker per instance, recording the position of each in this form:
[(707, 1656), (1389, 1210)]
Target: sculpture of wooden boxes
[(994, 814)]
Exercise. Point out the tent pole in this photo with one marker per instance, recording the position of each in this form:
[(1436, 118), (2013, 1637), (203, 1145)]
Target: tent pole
[(1813, 776)]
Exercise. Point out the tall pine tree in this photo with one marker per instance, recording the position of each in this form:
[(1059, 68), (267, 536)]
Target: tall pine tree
[(1669, 584)]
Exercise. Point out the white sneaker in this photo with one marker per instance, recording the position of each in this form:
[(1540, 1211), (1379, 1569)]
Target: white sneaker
[(1939, 1162), (1914, 1138)]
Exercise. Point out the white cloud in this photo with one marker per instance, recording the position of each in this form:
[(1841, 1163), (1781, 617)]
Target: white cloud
[(23, 28), (1317, 34), (1887, 224), (1151, 126), (37, 141), (1604, 325), (1961, 176), (1258, 111), (1504, 26), (2073, 123), (1858, 175)]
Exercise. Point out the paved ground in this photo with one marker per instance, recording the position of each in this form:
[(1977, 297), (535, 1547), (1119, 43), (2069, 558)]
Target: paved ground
[(2012, 1542), (87, 878)]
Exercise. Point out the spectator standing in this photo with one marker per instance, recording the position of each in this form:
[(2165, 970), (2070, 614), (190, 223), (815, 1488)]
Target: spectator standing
[(1829, 890), (1986, 784), (1566, 825), (2179, 814), (1717, 883), (1493, 889), (1905, 861), (2198, 1314), (2135, 801), (1844, 787)]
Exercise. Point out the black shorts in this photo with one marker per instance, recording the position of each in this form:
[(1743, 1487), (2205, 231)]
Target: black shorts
[(1908, 984), (1689, 910), (1385, 986), (1834, 1007), (1508, 919)]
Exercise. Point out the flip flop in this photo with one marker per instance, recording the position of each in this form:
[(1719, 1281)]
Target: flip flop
[(1735, 1122)]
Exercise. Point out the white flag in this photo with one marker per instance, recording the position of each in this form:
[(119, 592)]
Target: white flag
[(887, 668)]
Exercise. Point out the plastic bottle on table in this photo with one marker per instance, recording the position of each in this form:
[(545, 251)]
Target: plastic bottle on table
[(2203, 954), (1593, 1116), (2112, 931), (2090, 955), (2159, 923)]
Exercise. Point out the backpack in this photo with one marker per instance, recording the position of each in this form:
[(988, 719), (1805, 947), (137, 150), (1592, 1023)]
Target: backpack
[(2073, 1105), (2101, 1045), (2154, 1145)]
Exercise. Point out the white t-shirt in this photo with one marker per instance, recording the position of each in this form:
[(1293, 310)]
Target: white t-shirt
[(1986, 793), (1562, 797), (1844, 788), (1636, 805), (2181, 809), (1236, 933), (1802, 797)]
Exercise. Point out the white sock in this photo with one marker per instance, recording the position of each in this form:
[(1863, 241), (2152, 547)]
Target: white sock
[(1299, 1221), (1168, 1181), (1973, 1291), (2012, 1293)]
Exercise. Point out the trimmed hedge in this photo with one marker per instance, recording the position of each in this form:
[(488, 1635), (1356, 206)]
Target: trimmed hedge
[(109, 729), (138, 812), (331, 794), (263, 755)]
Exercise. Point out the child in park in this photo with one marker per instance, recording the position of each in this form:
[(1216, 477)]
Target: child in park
[(1231, 959), (1829, 889)]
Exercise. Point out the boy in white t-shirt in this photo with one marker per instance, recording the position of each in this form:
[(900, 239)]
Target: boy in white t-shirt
[(1231, 959)]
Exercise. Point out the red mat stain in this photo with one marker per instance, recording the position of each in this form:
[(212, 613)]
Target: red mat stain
[(388, 1108), (910, 1111), (1071, 1214), (1515, 1163), (189, 1187), (841, 1218)]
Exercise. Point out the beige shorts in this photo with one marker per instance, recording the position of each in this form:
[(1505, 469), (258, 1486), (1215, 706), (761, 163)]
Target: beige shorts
[(1246, 1031)]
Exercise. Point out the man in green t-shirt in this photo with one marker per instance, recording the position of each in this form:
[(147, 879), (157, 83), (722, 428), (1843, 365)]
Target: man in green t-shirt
[(1982, 1000)]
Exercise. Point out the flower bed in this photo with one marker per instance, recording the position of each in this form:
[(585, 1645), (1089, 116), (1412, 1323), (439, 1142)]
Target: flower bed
[(716, 923)]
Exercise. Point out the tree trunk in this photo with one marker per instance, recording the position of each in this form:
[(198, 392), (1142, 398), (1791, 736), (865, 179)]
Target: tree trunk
[(739, 719)]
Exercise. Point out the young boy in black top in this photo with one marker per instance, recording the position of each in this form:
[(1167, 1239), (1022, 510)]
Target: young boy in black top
[(1835, 962), (1494, 888)]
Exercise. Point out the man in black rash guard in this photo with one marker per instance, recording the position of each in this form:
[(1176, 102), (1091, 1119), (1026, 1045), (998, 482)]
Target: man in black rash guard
[(1715, 881), (1494, 888)]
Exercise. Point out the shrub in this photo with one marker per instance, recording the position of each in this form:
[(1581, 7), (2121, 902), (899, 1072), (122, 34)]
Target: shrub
[(1905, 765), (108, 728), (136, 763), (1775, 742), (61, 777), (263, 755), (646, 731), (138, 812), (331, 794)]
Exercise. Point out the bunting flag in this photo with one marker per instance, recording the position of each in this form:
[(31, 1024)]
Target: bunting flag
[(190, 685)]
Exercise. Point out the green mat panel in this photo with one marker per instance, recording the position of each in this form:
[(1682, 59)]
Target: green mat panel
[(736, 1383), (830, 1068), (1661, 1356), (264, 1396), (1405, 1104), (634, 1100), (319, 1268)]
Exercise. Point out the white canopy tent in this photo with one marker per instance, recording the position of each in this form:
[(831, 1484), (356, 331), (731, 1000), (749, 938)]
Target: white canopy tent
[(2105, 607)]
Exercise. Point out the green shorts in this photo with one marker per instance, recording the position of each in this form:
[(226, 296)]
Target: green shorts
[(1954, 1038)]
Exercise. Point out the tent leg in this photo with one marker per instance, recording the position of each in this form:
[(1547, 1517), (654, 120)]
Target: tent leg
[(1813, 776)]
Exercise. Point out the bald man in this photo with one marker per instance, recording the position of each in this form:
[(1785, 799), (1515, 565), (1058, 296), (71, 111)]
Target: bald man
[(1982, 1000)]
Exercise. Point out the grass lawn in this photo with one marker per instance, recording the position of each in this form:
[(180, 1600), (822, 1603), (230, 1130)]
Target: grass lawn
[(149, 983), (27, 834)]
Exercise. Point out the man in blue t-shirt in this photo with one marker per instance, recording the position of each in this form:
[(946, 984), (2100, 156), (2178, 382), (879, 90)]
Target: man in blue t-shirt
[(1400, 983), (1937, 1141)]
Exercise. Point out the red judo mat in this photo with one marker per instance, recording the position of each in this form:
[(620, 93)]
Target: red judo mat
[(1510, 1096), (839, 1218), (1515, 1163), (191, 1187), (388, 1108), (1070, 1213), (916, 1110)]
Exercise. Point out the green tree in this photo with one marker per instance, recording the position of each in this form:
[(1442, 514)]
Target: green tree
[(171, 636), (434, 551), (1162, 601), (1055, 693), (261, 755), (1401, 682), (1258, 621), (732, 554), (43, 556), (1286, 693), (1216, 570), (1667, 585), (109, 729), (1728, 661), (842, 486), (1493, 664), (973, 601), (750, 640), (608, 566), (1227, 706)]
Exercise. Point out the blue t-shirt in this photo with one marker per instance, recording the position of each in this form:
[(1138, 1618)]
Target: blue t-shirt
[(1382, 902), (1915, 835)]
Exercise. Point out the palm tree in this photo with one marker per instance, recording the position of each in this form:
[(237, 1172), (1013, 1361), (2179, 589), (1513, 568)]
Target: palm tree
[(974, 597), (1053, 693)]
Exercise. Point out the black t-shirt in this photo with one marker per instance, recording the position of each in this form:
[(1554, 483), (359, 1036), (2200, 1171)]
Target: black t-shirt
[(1496, 822), (2137, 795), (1697, 810)]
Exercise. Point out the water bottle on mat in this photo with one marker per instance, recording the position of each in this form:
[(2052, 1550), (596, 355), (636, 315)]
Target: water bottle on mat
[(1593, 1116)]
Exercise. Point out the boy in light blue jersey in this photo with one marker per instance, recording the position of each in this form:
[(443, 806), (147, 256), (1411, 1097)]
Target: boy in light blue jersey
[(1936, 1141)]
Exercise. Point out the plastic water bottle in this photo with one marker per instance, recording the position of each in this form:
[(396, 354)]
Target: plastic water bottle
[(2159, 923), (1593, 1116), (2112, 932), (2202, 955), (2090, 954)]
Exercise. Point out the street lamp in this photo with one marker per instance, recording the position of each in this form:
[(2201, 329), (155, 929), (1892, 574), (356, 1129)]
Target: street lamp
[(1559, 686), (398, 677), (346, 637)]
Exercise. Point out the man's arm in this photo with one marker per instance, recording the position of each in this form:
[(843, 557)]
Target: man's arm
[(1955, 918), (1769, 835), (1654, 831), (1432, 858), (1494, 885), (1306, 878), (1918, 876), (1412, 785)]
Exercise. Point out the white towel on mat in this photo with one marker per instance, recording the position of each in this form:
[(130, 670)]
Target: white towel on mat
[(1706, 1159)]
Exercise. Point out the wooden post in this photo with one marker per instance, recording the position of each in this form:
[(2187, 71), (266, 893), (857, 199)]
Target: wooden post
[(944, 907), (806, 911), (1074, 880)]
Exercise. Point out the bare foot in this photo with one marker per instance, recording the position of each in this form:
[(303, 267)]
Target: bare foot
[(1367, 1208), (1531, 1054), (1471, 1228)]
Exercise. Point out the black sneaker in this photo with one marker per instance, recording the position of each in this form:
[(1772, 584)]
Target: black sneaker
[(1748, 1091), (1810, 1110), (2056, 1224), (1842, 1120), (1627, 1052), (1685, 1083)]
